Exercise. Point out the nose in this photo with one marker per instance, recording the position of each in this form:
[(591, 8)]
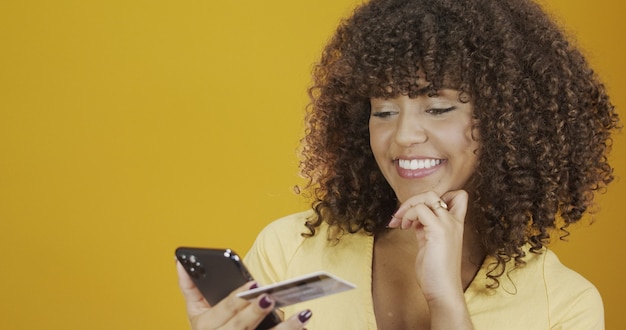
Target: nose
[(410, 130)]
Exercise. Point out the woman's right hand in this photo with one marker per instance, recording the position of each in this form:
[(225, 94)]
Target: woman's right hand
[(231, 312)]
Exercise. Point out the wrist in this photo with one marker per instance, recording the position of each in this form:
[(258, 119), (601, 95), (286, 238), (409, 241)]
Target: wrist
[(449, 312)]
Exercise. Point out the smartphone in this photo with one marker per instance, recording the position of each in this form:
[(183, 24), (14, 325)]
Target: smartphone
[(216, 273)]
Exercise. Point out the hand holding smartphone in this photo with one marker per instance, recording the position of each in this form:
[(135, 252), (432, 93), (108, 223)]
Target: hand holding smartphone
[(217, 272)]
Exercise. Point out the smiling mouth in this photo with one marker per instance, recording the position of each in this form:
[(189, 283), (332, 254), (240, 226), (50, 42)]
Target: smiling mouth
[(417, 164)]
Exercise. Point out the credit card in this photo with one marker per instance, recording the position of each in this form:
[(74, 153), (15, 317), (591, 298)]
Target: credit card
[(302, 288)]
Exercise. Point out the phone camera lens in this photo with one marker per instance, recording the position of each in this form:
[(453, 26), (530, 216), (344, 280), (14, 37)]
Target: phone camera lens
[(196, 271), (193, 266)]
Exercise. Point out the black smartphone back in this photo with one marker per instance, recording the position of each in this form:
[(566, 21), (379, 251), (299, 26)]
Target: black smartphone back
[(216, 273)]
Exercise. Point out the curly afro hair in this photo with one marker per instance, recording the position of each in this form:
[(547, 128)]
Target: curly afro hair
[(543, 116)]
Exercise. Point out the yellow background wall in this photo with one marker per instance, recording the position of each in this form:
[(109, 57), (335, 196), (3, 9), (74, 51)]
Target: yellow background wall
[(128, 128)]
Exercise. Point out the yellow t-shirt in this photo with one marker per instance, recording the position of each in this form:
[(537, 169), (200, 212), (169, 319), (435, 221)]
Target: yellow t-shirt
[(544, 294)]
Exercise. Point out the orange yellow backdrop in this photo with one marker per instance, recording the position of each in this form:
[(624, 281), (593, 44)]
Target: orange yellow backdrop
[(128, 128)]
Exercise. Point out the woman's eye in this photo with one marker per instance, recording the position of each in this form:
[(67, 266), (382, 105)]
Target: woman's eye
[(439, 111), (382, 114)]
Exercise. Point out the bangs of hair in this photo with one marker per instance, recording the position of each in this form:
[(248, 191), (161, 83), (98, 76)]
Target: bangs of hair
[(390, 55)]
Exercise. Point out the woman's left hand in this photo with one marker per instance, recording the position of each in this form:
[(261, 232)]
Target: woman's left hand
[(438, 222)]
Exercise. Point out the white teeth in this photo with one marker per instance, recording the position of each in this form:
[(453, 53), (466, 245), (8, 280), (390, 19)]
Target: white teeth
[(415, 164)]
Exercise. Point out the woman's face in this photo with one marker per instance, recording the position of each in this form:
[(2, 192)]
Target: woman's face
[(424, 143)]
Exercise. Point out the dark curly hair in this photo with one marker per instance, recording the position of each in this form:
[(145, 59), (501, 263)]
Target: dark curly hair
[(543, 116)]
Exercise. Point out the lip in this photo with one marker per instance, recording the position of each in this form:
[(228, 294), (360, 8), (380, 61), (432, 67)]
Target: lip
[(417, 173)]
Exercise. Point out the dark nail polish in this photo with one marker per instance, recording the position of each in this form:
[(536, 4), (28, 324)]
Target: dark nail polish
[(265, 302), (253, 286), (305, 315)]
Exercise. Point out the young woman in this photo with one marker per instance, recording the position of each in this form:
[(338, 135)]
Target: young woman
[(446, 140)]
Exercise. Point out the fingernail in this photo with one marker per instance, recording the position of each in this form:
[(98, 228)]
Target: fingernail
[(305, 316), (393, 221), (265, 302), (253, 286)]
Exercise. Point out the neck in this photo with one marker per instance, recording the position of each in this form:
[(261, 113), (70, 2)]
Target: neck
[(473, 253)]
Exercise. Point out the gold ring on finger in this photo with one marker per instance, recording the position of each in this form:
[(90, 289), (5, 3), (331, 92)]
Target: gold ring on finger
[(440, 205)]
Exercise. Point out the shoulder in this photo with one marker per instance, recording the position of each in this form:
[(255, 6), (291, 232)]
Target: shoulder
[(291, 225), (281, 251), (276, 245), (556, 296), (559, 279), (572, 299)]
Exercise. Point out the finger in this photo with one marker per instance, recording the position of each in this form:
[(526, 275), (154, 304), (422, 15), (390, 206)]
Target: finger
[(250, 316), (229, 307), (457, 201), (413, 209), (428, 214), (199, 311), (410, 218), (297, 321), (400, 214), (195, 302), (394, 222), (438, 205), (417, 216)]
